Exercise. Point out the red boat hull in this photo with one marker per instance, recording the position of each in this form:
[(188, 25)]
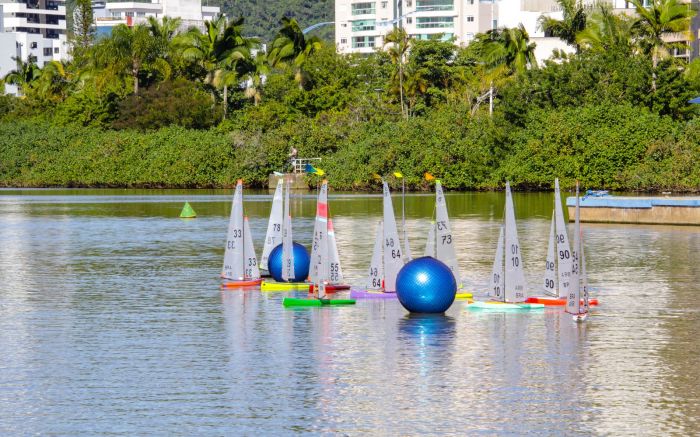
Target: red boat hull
[(332, 288), (555, 301)]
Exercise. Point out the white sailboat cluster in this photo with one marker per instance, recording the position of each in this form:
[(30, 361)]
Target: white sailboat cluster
[(440, 243)]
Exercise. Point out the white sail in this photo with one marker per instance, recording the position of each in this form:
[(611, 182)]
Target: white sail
[(233, 256), (515, 277), (336, 273), (497, 277), (550, 271), (573, 301), (430, 243), (376, 266), (563, 247), (393, 258), (274, 225), (287, 241), (407, 248), (584, 277), (323, 267), (320, 234), (445, 248), (252, 271)]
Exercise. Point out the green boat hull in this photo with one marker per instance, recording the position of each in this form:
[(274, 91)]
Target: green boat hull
[(301, 302)]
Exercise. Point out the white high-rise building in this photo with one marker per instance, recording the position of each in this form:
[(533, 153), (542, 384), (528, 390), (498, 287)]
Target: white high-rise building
[(360, 25), (31, 30), (191, 12)]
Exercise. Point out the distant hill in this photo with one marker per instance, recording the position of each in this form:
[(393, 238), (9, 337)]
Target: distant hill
[(262, 16)]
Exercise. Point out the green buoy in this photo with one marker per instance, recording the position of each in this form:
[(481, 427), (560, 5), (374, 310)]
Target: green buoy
[(187, 211)]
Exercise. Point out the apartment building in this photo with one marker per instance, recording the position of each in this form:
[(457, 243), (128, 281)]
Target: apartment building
[(191, 12), (360, 25), (31, 30)]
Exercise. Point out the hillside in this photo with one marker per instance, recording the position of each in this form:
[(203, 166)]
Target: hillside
[(262, 17)]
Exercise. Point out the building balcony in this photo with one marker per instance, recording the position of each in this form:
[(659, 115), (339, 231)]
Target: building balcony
[(134, 6), (21, 8)]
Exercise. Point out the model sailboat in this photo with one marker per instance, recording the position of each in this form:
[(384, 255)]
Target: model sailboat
[(273, 237), (440, 244), (508, 286), (557, 274), (387, 258), (577, 301), (325, 260), (240, 263)]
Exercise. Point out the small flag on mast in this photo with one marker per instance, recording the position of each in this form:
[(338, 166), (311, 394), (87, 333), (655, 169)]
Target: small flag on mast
[(398, 174), (428, 177), (313, 170)]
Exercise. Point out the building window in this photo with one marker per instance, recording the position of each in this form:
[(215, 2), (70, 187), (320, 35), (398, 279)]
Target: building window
[(48, 51), (494, 24), (470, 2), (360, 42), (470, 19), (363, 8), (434, 5), (129, 13), (55, 49), (433, 36), (409, 20), (409, 3), (33, 45), (343, 40), (140, 14), (434, 22), (384, 5), (116, 14), (362, 25)]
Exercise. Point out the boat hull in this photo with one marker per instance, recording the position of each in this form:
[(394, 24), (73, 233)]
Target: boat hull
[(332, 288), (241, 284), (555, 301), (284, 286), (296, 302), (360, 293), (503, 306)]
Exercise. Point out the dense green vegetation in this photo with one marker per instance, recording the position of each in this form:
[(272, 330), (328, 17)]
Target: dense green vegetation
[(153, 107)]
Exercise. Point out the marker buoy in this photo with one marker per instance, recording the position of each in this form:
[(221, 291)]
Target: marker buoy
[(187, 211)]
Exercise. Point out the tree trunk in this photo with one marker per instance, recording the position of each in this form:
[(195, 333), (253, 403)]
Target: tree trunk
[(225, 100), (135, 73), (654, 63), (401, 87)]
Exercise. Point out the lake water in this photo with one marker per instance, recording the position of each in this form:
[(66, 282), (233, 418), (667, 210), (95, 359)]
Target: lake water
[(112, 322)]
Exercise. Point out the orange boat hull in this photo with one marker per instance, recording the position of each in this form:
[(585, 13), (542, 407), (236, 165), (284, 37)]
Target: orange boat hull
[(240, 284), (555, 301)]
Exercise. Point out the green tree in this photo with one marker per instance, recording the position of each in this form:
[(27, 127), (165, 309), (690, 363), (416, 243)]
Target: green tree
[(400, 44), (24, 74), (133, 49), (292, 47), (512, 47), (566, 29), (606, 30), (83, 28), (660, 18)]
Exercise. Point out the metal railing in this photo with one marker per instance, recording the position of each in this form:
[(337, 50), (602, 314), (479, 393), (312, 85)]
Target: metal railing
[(299, 164)]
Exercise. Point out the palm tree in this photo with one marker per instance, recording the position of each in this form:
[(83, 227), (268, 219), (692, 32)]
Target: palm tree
[(52, 80), (133, 49), (24, 74), (291, 46), (660, 18), (512, 47), (203, 49), (400, 44), (415, 85), (566, 29), (256, 77), (606, 30)]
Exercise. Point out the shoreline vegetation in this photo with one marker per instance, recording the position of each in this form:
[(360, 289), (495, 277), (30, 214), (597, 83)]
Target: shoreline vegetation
[(150, 107)]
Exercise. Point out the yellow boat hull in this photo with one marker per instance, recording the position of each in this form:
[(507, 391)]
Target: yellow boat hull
[(284, 286)]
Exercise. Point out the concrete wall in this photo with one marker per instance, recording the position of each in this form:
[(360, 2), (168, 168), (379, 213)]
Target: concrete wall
[(658, 215)]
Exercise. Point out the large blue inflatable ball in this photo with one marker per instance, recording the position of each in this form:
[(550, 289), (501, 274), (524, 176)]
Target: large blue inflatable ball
[(301, 263), (426, 285)]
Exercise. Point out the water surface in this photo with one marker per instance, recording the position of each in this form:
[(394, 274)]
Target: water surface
[(112, 322)]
